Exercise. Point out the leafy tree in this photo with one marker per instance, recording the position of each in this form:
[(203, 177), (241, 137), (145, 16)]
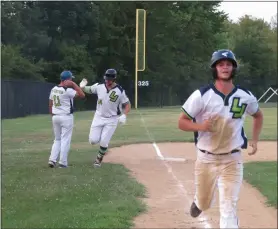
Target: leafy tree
[(40, 39), (15, 66)]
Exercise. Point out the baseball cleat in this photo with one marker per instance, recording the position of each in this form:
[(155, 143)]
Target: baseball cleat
[(62, 166), (51, 164), (97, 162), (194, 210)]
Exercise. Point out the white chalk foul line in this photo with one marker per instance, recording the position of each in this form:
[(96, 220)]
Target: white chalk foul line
[(174, 159), (152, 139), (202, 220)]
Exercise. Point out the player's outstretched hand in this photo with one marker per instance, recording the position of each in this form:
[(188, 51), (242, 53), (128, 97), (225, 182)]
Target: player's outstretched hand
[(83, 83), (122, 119), (253, 144)]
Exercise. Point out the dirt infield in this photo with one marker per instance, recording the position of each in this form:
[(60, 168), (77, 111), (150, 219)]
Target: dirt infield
[(170, 186)]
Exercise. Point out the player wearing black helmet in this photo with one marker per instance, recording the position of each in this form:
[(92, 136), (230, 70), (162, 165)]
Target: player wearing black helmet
[(110, 76), (228, 67), (111, 98), (218, 112)]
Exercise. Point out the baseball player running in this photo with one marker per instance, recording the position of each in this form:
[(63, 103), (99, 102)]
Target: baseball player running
[(218, 111), (61, 107), (111, 98)]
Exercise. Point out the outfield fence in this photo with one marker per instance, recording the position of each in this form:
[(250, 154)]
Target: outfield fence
[(21, 98)]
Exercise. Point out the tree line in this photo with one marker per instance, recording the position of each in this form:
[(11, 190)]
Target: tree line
[(40, 39)]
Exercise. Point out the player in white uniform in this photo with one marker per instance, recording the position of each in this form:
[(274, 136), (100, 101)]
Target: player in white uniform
[(111, 99), (61, 107), (218, 111)]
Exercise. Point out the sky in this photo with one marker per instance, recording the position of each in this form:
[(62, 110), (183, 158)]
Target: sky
[(261, 9)]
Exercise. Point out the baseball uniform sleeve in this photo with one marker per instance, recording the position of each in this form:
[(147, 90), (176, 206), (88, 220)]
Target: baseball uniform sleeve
[(193, 105), (71, 92), (94, 88), (253, 105), (124, 98)]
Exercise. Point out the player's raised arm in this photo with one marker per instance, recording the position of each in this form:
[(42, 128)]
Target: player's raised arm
[(79, 93), (88, 89)]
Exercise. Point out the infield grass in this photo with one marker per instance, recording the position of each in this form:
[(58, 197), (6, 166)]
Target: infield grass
[(34, 196)]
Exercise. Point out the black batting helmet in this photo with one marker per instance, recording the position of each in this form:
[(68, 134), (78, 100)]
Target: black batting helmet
[(223, 54), (110, 74)]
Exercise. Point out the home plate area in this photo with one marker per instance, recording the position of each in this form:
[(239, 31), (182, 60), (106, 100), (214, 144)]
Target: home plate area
[(167, 172)]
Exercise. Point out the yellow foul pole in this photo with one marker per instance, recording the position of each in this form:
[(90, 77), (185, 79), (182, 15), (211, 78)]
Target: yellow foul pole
[(140, 47)]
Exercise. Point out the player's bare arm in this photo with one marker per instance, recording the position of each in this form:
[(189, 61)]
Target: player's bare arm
[(50, 104), (127, 108), (186, 124), (257, 127), (79, 92)]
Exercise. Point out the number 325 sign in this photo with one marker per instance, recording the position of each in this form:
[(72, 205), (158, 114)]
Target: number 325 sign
[(143, 83)]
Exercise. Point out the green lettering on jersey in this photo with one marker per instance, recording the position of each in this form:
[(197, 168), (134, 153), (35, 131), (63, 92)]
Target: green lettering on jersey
[(236, 109), (58, 91), (113, 97), (56, 101)]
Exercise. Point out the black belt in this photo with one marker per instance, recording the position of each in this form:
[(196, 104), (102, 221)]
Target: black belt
[(233, 151), (61, 114)]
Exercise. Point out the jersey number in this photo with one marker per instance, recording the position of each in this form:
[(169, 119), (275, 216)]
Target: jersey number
[(113, 97), (236, 109), (56, 101)]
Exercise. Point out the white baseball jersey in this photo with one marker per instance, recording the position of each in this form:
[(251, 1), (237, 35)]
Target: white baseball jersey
[(109, 102), (231, 111), (62, 100)]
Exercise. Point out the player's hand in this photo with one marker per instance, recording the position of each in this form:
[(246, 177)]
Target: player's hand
[(83, 83), (122, 119), (253, 144), (207, 125)]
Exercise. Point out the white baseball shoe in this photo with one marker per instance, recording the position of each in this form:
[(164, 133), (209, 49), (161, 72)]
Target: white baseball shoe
[(51, 164), (97, 162)]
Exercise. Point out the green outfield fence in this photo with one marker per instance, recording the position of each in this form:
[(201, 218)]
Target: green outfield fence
[(21, 98)]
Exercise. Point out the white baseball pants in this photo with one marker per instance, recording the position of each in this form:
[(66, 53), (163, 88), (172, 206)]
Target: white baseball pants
[(228, 177), (102, 130), (62, 127)]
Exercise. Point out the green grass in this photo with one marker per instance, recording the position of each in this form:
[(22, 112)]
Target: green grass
[(263, 176), (35, 196)]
